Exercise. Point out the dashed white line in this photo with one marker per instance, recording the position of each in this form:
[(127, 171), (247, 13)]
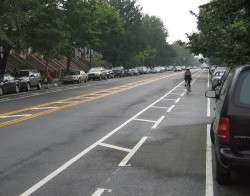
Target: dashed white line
[(177, 100), (100, 191), (144, 120), (159, 107), (183, 94), (115, 147), (158, 122), (132, 152), (169, 110)]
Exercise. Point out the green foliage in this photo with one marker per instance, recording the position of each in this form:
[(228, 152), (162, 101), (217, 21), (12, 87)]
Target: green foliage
[(183, 55), (224, 31)]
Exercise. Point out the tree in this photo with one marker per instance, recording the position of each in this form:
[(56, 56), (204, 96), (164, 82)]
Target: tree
[(119, 48), (224, 31), (14, 16), (46, 31), (89, 24)]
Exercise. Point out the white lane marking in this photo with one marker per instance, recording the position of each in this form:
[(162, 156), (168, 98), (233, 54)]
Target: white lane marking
[(115, 147), (158, 122), (169, 110), (67, 102), (81, 154), (159, 107), (175, 94), (44, 108), (133, 151), (14, 116), (209, 170), (100, 191), (170, 99), (177, 100), (144, 120), (208, 107), (183, 94)]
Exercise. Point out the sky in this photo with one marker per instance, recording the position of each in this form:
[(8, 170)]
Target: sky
[(175, 15)]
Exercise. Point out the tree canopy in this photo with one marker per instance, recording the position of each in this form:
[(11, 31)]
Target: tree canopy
[(224, 31)]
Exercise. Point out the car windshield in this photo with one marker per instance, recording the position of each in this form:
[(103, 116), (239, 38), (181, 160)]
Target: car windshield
[(22, 73), (70, 73), (95, 69)]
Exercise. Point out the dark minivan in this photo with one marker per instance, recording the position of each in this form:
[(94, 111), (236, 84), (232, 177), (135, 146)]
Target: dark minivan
[(230, 129)]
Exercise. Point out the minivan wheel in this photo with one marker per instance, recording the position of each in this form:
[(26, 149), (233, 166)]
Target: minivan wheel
[(39, 87), (1, 91), (223, 176), (17, 89), (28, 87), (79, 80)]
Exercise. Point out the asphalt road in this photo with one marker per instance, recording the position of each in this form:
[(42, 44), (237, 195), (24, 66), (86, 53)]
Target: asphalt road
[(133, 136)]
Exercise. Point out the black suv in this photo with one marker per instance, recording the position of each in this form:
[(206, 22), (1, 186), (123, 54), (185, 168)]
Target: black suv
[(118, 71), (230, 129), (28, 79)]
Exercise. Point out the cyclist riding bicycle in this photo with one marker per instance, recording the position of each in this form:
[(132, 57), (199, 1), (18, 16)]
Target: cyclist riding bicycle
[(188, 78)]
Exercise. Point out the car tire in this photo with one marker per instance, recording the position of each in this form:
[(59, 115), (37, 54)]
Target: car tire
[(39, 86), (28, 87), (79, 80), (223, 175), (100, 77), (17, 89), (86, 79), (1, 91)]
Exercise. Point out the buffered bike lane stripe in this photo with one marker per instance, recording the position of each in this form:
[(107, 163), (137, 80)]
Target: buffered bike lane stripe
[(87, 99)]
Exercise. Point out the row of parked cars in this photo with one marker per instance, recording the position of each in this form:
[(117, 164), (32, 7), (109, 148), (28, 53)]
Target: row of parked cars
[(24, 80), (230, 128)]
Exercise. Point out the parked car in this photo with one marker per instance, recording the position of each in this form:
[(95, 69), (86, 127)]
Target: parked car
[(118, 71), (177, 68), (110, 73), (135, 72), (157, 70), (216, 79), (29, 78), (8, 84), (98, 73), (230, 128), (74, 76)]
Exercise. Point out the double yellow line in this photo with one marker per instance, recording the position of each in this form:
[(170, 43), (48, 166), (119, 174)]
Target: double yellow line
[(81, 99)]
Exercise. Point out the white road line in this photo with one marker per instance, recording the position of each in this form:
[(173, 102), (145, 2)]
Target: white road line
[(133, 151), (208, 107), (67, 102), (209, 170), (177, 100), (100, 191), (170, 99), (44, 108), (175, 94), (183, 94), (14, 116), (159, 107), (158, 122), (115, 147), (169, 110), (144, 120), (81, 154)]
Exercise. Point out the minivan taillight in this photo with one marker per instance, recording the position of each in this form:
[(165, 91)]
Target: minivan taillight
[(224, 130)]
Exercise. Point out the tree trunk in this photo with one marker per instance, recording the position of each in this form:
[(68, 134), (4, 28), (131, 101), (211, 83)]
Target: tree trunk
[(47, 64), (68, 62), (3, 60)]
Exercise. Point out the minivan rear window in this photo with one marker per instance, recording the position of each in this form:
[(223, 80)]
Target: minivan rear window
[(242, 93)]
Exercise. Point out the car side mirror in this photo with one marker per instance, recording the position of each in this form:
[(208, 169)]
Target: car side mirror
[(31, 76), (211, 94)]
